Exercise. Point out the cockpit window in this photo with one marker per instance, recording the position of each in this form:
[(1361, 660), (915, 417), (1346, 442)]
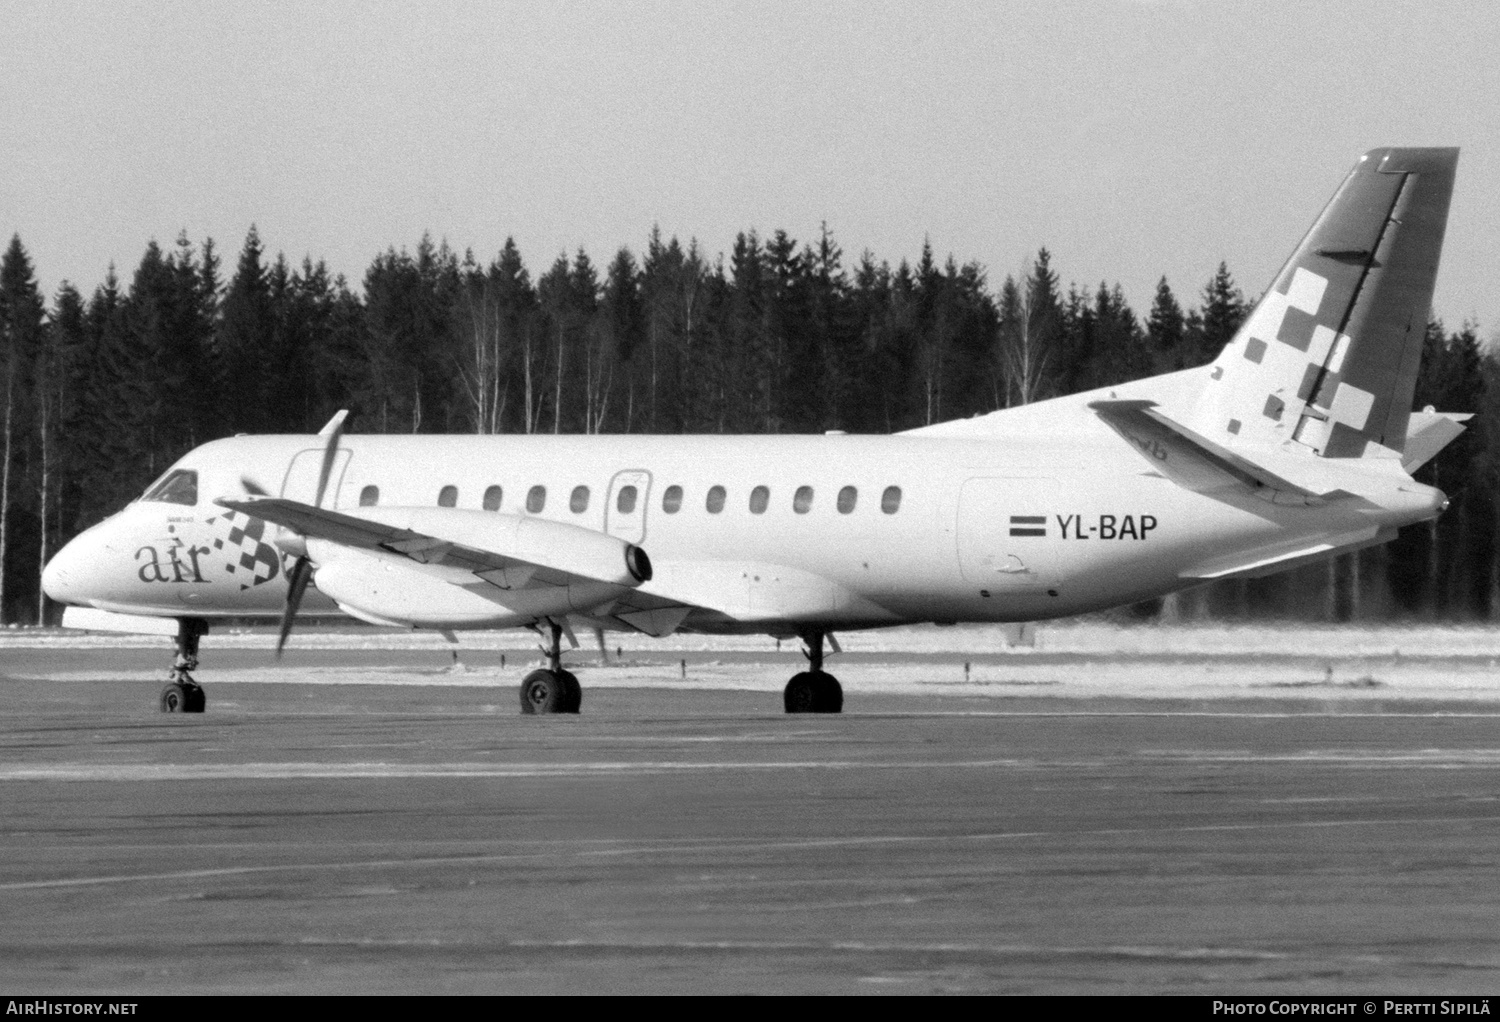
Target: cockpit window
[(179, 486)]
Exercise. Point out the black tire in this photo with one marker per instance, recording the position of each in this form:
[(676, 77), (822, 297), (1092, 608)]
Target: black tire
[(174, 699), (801, 694), (830, 694), (813, 692), (574, 692), (196, 700), (543, 692)]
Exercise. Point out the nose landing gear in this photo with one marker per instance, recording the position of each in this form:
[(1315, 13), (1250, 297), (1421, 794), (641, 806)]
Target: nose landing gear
[(551, 689), (183, 694), (815, 690)]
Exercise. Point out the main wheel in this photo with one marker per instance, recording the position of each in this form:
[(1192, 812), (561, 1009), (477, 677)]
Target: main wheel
[(574, 692), (830, 698), (196, 700), (801, 695), (813, 692), (543, 692), (174, 699)]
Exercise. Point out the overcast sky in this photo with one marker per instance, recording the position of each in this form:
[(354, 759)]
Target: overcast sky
[(1133, 138)]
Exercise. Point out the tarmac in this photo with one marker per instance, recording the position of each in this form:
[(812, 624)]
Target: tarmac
[(412, 833)]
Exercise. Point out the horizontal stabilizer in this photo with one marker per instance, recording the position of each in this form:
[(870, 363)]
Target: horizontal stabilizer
[(1197, 464), (1427, 434), (1257, 563)]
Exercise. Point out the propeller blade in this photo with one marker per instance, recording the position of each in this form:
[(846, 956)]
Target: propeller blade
[(333, 431), (302, 568), (252, 487), (297, 580)]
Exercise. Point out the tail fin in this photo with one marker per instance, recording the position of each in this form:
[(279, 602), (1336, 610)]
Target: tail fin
[(1327, 361)]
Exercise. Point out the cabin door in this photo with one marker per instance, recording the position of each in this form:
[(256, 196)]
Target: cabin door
[(625, 514)]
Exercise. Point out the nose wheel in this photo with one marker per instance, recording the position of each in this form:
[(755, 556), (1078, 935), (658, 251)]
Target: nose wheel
[(183, 694)]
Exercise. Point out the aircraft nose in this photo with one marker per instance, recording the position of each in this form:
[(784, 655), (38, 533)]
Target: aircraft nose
[(66, 577)]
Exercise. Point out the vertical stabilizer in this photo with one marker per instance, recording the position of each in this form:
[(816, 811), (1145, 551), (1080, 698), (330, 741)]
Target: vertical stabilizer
[(1327, 361)]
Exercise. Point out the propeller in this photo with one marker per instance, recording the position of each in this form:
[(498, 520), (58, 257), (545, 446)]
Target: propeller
[(302, 568)]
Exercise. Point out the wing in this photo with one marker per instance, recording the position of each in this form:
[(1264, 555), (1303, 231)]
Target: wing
[(509, 551), (493, 554)]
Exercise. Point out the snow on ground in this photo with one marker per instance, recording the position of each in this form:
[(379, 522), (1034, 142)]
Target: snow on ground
[(1068, 660), (1083, 637), (1076, 680)]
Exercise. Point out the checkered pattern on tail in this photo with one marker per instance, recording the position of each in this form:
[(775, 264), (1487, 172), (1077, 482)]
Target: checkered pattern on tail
[(1327, 361)]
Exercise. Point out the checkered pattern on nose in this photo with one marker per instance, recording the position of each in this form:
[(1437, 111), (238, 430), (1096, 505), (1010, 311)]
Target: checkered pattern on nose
[(246, 548)]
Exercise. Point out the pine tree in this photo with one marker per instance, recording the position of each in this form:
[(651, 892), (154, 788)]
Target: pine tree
[(624, 320), (869, 298), (1030, 324), (58, 412), (748, 359), (1165, 329), (1224, 310), (836, 336), (553, 290), (243, 340), (787, 343), (21, 325)]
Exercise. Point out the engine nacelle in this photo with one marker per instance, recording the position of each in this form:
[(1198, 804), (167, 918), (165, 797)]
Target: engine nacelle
[(577, 570)]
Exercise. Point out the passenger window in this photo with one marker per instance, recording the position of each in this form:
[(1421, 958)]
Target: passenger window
[(179, 486), (369, 496), (536, 499), (715, 502), (448, 496), (492, 498), (802, 500), (890, 500), (759, 498), (578, 503), (671, 501), (848, 497), (625, 502)]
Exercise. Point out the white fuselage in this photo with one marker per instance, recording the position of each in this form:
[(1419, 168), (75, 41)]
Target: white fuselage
[(1024, 514)]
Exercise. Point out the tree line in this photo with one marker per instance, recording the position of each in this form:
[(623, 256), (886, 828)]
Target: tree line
[(102, 391)]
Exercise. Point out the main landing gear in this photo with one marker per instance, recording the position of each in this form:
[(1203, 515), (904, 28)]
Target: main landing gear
[(814, 691), (183, 694), (551, 689)]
